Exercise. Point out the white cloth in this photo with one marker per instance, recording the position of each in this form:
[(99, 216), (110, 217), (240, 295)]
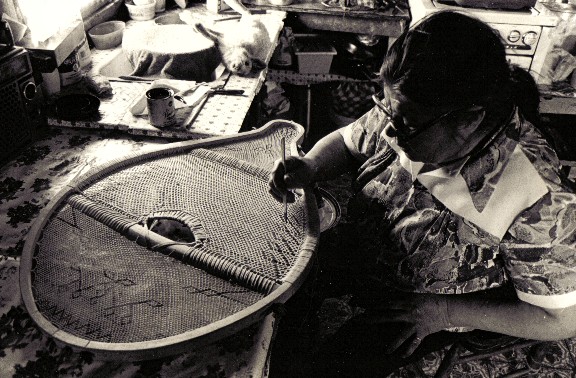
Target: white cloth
[(450, 188)]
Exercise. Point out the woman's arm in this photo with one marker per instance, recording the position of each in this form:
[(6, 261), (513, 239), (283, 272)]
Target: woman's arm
[(425, 314), (327, 159), (513, 317)]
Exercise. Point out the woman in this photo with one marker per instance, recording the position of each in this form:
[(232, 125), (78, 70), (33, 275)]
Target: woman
[(459, 198)]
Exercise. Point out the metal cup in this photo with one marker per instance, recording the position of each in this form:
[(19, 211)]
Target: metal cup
[(161, 110)]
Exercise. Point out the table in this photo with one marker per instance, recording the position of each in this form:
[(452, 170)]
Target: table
[(27, 183), (219, 115)]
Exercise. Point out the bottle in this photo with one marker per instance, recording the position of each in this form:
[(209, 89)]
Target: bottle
[(70, 70), (84, 55)]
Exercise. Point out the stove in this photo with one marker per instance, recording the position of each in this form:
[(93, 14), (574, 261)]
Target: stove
[(525, 32)]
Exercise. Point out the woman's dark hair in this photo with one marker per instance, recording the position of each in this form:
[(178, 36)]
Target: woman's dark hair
[(449, 58)]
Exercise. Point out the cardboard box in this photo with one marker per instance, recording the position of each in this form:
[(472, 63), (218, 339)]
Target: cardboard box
[(217, 6), (57, 48)]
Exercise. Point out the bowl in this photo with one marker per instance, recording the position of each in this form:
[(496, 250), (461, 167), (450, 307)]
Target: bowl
[(168, 19), (107, 35), (142, 12)]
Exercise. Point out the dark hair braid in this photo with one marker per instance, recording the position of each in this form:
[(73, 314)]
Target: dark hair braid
[(525, 94)]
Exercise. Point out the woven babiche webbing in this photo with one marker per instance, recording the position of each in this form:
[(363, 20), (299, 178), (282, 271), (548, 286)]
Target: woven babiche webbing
[(107, 281)]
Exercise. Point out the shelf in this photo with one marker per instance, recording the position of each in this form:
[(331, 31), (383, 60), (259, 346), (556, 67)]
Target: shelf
[(359, 20), (558, 105), (295, 78)]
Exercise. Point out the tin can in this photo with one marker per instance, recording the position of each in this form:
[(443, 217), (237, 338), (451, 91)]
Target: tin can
[(161, 109), (69, 70)]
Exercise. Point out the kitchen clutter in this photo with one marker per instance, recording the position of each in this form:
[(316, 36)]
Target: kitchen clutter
[(69, 70), (562, 64), (168, 19), (314, 55), (162, 102), (282, 57), (107, 35), (306, 53), (160, 105), (98, 85), (141, 10), (76, 107), (559, 76), (275, 105), (356, 56), (170, 51), (133, 57), (58, 48)]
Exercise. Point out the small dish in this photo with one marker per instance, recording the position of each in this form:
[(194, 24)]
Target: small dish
[(77, 107), (107, 35), (145, 11), (169, 19), (329, 209)]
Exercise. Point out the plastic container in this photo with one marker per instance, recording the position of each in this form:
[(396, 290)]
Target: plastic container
[(314, 55), (107, 35), (142, 12)]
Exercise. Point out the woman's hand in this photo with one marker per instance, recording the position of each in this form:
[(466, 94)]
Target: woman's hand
[(297, 172), (419, 315), (327, 159), (422, 314)]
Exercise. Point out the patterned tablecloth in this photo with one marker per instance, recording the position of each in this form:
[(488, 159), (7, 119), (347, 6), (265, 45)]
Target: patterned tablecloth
[(27, 184)]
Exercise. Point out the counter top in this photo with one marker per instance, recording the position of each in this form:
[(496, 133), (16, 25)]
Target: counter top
[(218, 115), (329, 15)]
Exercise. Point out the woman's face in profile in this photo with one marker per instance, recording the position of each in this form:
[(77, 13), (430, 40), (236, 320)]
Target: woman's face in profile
[(431, 134)]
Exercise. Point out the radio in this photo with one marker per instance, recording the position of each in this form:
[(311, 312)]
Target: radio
[(21, 112)]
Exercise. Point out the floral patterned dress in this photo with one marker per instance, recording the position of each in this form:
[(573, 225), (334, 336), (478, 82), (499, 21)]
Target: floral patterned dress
[(504, 216)]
